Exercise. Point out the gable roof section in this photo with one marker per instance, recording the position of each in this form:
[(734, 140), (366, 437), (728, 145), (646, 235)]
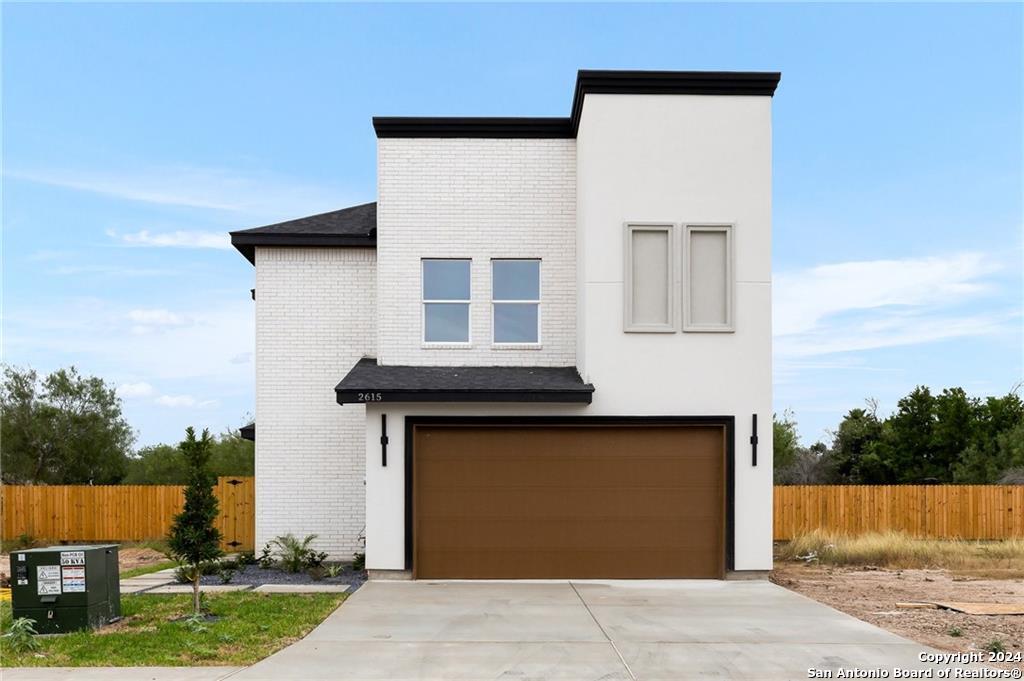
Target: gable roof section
[(461, 384), (736, 83), (353, 226)]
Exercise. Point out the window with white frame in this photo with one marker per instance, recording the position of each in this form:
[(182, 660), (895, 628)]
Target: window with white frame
[(708, 278), (649, 273), (446, 296), (515, 301)]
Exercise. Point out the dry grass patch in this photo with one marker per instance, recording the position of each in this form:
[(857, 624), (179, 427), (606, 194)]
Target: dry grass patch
[(899, 550)]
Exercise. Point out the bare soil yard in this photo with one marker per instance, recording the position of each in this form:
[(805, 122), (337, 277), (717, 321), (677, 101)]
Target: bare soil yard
[(129, 559), (871, 594)]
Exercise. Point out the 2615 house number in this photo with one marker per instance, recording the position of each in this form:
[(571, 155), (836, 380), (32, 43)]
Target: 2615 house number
[(369, 397)]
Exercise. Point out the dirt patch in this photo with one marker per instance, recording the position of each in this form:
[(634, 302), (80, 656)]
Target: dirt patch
[(128, 558), (872, 594)]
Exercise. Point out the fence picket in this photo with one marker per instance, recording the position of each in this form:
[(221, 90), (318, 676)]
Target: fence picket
[(77, 513), (944, 511)]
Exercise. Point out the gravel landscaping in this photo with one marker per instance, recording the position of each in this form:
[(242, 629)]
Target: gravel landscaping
[(255, 575)]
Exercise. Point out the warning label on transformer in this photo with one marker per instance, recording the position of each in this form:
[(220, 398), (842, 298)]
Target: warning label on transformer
[(47, 580), (72, 579)]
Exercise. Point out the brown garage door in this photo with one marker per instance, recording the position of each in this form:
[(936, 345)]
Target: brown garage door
[(564, 501)]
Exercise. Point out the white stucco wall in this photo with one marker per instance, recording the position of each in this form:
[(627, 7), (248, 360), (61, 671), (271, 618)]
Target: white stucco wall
[(479, 199), (682, 159), (315, 317), (672, 159)]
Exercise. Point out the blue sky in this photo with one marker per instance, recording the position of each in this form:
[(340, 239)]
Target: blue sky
[(136, 136)]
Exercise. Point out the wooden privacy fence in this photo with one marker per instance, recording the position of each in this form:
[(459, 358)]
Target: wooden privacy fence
[(940, 511), (78, 513)]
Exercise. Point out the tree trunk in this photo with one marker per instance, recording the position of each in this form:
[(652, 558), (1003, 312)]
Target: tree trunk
[(195, 591)]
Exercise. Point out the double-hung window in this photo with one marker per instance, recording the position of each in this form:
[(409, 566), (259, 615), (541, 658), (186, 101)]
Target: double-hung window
[(446, 296), (515, 301)]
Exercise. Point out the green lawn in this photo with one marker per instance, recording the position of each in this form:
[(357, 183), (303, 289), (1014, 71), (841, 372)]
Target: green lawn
[(251, 626)]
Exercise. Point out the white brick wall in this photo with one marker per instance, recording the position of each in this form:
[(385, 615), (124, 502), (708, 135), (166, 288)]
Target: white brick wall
[(315, 317), (479, 199)]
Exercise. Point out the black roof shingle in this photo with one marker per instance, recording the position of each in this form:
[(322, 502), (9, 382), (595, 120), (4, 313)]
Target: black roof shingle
[(370, 382), (353, 226)]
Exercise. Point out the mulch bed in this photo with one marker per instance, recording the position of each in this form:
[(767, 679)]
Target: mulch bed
[(255, 575)]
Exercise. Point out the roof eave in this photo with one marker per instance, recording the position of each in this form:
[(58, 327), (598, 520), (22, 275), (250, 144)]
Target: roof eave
[(581, 396), (246, 242)]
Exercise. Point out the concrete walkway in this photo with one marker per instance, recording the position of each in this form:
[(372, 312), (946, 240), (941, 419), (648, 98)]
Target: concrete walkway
[(623, 630)]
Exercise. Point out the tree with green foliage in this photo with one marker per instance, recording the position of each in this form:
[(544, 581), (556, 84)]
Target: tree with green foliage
[(785, 440), (994, 448), (852, 441), (193, 538), (231, 455), (64, 429)]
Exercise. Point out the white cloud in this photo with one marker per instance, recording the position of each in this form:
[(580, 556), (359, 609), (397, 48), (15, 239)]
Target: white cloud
[(865, 305), (130, 390), (178, 239), (176, 401), (259, 194)]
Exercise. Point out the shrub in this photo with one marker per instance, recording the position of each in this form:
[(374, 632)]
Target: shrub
[(995, 646), (293, 554), (21, 637), (335, 570), (194, 539), (359, 562), (266, 559)]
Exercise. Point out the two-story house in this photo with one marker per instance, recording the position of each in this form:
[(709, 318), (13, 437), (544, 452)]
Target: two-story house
[(544, 352)]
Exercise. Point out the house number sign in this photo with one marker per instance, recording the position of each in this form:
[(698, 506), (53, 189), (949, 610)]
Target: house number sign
[(370, 397)]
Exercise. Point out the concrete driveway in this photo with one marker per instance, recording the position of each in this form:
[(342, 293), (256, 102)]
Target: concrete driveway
[(583, 630)]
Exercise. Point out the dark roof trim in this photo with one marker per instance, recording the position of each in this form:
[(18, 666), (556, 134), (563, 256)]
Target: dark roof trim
[(537, 128), (735, 83), (368, 382), (248, 432)]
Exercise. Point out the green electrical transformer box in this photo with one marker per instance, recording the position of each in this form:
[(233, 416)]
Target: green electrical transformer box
[(66, 588)]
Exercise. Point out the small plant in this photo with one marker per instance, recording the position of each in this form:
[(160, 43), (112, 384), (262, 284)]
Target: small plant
[(317, 573), (995, 646), (196, 623), (294, 554), (226, 575), (359, 562), (266, 559), (955, 632), (21, 636), (26, 541), (315, 559), (335, 570), (185, 574), (247, 558)]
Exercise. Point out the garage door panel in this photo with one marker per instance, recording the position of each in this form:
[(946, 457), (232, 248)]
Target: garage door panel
[(570, 533), (553, 564), (539, 503), (568, 501)]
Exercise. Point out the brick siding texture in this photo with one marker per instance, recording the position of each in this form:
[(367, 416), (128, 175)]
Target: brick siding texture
[(315, 317), (479, 199)]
